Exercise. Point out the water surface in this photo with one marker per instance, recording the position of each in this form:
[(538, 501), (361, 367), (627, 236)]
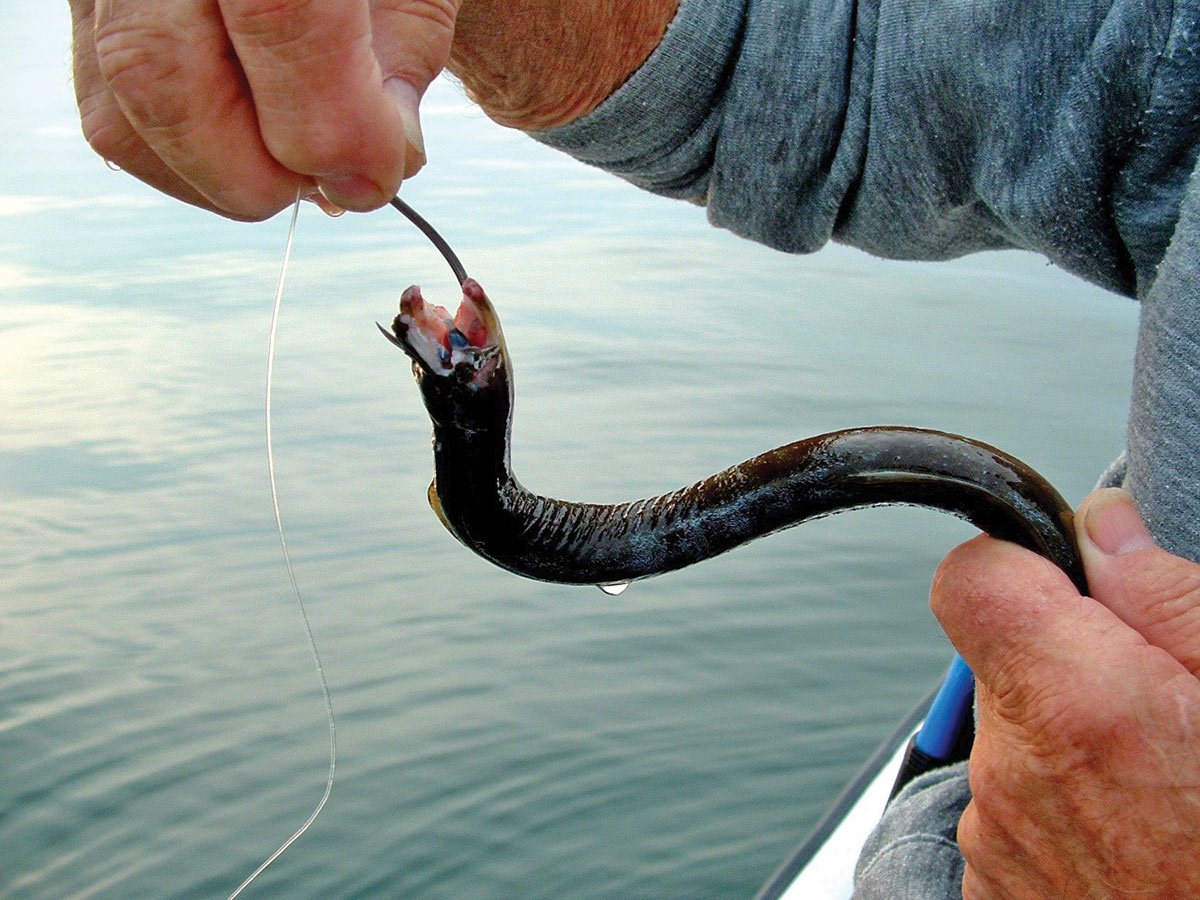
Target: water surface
[(160, 723)]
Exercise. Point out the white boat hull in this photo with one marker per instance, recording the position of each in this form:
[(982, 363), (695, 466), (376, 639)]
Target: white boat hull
[(822, 867)]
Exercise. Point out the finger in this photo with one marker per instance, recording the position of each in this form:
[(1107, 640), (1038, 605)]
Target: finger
[(105, 127), (1050, 664), (171, 70), (1030, 638), (997, 601), (319, 95), (412, 44), (1155, 593)]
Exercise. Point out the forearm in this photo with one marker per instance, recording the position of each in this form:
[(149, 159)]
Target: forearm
[(537, 64)]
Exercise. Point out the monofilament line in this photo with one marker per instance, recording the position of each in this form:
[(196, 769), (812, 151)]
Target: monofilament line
[(287, 559)]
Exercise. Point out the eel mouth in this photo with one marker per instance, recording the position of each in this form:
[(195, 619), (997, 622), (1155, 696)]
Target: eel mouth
[(440, 343)]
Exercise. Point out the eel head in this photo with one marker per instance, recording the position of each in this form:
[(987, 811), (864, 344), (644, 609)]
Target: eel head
[(459, 360)]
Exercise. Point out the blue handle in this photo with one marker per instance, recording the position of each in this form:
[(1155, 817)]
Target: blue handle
[(951, 706)]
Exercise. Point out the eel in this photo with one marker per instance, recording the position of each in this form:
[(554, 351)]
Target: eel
[(464, 374)]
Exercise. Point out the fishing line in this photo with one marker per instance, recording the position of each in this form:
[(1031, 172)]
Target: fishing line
[(287, 559), (460, 273)]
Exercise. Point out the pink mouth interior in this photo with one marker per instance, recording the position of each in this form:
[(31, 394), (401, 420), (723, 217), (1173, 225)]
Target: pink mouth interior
[(435, 334)]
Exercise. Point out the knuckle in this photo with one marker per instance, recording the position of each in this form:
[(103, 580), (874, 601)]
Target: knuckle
[(267, 18), (1067, 735), (438, 13), (1016, 698), (105, 128), (296, 31), (269, 22), (1039, 689), (138, 60), (108, 138), (1173, 592), (127, 47)]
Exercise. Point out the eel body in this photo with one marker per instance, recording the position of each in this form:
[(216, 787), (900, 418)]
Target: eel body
[(465, 379)]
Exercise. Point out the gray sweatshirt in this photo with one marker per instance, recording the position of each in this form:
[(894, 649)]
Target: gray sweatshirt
[(932, 130)]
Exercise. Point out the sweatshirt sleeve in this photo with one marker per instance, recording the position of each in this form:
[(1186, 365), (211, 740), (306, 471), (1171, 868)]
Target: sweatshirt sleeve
[(710, 118), (919, 132)]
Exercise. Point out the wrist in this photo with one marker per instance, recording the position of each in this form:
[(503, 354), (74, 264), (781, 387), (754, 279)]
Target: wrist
[(538, 64)]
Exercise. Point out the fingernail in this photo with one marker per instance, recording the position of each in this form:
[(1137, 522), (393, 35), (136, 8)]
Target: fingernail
[(1113, 524), (408, 101)]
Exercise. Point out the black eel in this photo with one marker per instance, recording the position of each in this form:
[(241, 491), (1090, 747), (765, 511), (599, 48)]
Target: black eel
[(465, 378)]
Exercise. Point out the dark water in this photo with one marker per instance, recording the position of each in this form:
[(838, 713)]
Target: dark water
[(160, 722)]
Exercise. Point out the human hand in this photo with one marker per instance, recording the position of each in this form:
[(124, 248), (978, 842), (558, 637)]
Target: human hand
[(1085, 773), (233, 105)]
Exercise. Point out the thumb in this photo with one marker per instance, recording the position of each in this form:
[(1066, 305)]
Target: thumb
[(1153, 592), (412, 43)]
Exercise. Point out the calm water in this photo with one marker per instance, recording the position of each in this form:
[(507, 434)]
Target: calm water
[(160, 722)]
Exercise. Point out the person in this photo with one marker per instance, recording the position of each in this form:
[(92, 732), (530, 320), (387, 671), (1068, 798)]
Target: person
[(908, 130)]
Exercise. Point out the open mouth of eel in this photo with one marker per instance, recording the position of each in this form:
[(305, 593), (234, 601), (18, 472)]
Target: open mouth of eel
[(467, 343)]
